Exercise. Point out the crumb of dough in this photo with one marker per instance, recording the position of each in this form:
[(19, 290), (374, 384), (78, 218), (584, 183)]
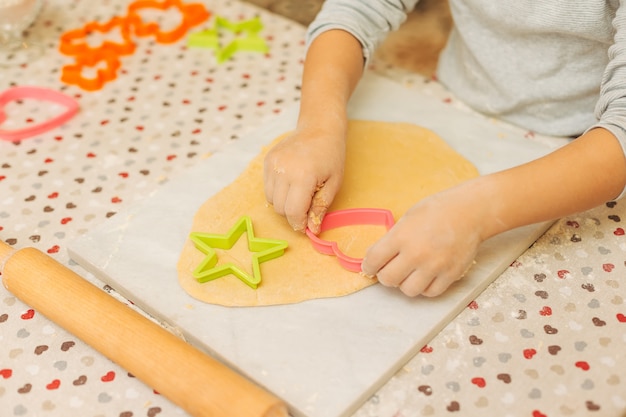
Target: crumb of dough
[(363, 274), (315, 218)]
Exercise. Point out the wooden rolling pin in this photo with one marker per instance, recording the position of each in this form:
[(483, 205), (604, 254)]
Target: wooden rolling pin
[(194, 381)]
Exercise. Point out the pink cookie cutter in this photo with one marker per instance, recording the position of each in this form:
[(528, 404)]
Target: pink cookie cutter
[(37, 93), (348, 217)]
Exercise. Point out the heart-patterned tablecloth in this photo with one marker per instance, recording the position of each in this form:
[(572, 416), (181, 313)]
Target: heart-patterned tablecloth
[(547, 338)]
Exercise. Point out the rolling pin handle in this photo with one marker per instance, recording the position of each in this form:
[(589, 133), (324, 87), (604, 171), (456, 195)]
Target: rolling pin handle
[(197, 383)]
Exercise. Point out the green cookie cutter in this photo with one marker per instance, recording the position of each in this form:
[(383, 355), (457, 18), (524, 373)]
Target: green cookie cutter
[(251, 42), (264, 250)]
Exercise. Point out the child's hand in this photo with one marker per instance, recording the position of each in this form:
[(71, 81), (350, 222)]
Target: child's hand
[(431, 246), (302, 175)]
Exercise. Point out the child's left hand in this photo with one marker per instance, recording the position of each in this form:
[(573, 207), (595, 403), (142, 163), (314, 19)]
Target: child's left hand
[(432, 245)]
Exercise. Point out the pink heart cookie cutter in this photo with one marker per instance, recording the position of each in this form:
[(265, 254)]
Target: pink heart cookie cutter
[(348, 217), (37, 93)]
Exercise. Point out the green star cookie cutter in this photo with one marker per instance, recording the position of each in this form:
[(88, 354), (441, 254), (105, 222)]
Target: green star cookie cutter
[(264, 250), (251, 42)]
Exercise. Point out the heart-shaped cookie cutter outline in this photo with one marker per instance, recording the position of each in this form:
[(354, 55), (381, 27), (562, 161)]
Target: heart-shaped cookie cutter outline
[(348, 217), (37, 93)]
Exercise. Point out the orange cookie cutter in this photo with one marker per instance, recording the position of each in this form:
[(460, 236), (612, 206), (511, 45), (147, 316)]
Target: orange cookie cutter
[(109, 52), (74, 42), (348, 217), (73, 73), (192, 15)]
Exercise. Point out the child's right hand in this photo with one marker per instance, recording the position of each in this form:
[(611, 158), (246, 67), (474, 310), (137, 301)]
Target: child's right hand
[(302, 174)]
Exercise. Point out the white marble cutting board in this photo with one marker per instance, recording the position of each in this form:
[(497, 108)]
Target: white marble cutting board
[(323, 357)]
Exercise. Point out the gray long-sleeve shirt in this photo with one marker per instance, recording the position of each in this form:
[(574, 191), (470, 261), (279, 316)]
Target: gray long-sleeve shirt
[(553, 66)]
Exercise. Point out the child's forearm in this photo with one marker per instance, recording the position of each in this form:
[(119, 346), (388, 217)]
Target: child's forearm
[(332, 69), (579, 176)]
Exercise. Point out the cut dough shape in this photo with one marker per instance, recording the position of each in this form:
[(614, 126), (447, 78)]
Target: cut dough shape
[(388, 165)]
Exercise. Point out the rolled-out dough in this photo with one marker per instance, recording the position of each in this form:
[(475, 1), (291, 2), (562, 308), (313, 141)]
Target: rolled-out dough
[(388, 165)]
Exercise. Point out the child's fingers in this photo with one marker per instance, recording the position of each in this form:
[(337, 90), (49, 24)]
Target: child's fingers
[(278, 196), (297, 205), (322, 198), (376, 258)]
